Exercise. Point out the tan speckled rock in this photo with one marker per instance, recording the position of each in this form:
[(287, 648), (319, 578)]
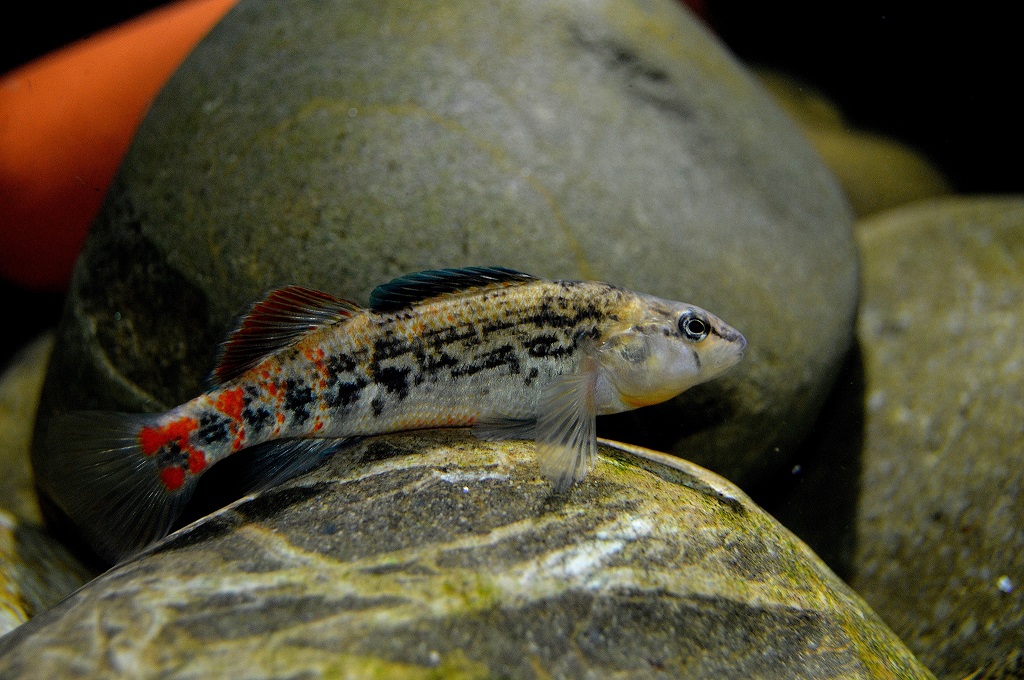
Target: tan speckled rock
[(19, 397), (35, 570), (338, 144), (940, 544), (437, 555)]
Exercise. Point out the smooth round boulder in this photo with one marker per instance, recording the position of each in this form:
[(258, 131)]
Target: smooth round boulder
[(939, 546), (877, 173), (339, 144), (438, 555)]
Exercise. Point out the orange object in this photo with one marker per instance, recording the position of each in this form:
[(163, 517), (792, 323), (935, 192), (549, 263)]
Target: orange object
[(66, 121)]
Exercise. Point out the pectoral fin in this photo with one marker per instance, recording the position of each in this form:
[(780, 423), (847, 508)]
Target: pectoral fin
[(566, 429)]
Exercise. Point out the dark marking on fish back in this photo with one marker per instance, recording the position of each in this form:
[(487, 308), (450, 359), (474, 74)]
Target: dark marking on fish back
[(297, 400)]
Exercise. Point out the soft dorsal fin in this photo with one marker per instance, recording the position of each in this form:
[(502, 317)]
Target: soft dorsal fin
[(412, 288), (273, 323)]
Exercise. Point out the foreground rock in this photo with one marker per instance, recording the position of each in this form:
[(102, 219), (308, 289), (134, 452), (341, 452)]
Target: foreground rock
[(20, 384), (35, 570), (438, 554), (340, 144), (940, 551)]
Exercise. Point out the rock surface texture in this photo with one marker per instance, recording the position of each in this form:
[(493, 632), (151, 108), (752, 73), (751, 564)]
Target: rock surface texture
[(339, 144), (35, 570), (437, 555), (876, 173), (940, 544)]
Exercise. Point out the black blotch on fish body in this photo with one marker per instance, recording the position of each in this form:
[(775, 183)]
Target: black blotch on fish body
[(255, 414), (547, 317), (434, 363), (394, 380), (297, 399), (442, 337), (342, 394), (497, 326), (548, 345), (389, 345), (171, 455), (257, 418), (495, 358), (213, 428), (339, 363)]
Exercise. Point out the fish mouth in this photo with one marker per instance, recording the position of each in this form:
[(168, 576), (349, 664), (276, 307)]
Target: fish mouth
[(742, 342), (731, 335)]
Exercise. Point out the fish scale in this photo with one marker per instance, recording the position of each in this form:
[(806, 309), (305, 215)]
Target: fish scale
[(492, 348)]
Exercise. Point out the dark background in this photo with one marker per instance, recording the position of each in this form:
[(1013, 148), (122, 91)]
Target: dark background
[(945, 81)]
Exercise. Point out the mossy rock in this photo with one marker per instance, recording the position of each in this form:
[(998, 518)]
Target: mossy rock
[(438, 555)]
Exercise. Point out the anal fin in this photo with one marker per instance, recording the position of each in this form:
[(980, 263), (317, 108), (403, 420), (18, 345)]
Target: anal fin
[(500, 428), (271, 463)]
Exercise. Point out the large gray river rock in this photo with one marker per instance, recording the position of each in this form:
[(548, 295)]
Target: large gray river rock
[(939, 538), (338, 144), (429, 555)]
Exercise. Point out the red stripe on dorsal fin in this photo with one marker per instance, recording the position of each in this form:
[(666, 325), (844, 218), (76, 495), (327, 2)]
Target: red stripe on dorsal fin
[(281, 318)]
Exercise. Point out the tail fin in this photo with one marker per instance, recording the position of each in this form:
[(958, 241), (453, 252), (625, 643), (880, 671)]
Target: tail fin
[(96, 472)]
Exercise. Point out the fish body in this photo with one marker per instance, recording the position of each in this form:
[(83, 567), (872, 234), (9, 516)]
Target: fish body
[(501, 351)]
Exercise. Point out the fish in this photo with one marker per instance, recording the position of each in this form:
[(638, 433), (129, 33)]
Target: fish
[(305, 373)]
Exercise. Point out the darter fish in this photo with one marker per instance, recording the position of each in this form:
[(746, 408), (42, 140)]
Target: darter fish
[(509, 354)]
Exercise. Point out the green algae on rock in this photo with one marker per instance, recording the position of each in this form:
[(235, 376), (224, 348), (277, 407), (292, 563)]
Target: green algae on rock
[(940, 551), (338, 144), (437, 553)]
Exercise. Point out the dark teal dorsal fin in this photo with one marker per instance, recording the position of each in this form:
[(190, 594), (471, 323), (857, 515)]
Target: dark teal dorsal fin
[(412, 288), (273, 323)]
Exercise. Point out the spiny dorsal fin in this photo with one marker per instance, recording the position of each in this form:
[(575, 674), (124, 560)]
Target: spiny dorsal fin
[(412, 288), (275, 322)]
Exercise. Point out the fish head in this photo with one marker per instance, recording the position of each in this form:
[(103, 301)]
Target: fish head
[(660, 348)]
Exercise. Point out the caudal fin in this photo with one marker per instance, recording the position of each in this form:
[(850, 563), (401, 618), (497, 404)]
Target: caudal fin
[(93, 468)]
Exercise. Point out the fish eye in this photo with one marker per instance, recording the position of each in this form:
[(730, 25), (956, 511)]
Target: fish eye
[(693, 326)]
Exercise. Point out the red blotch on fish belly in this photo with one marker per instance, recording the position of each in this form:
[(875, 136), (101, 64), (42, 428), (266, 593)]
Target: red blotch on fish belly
[(152, 439), (231, 404), (196, 461), (173, 477)]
